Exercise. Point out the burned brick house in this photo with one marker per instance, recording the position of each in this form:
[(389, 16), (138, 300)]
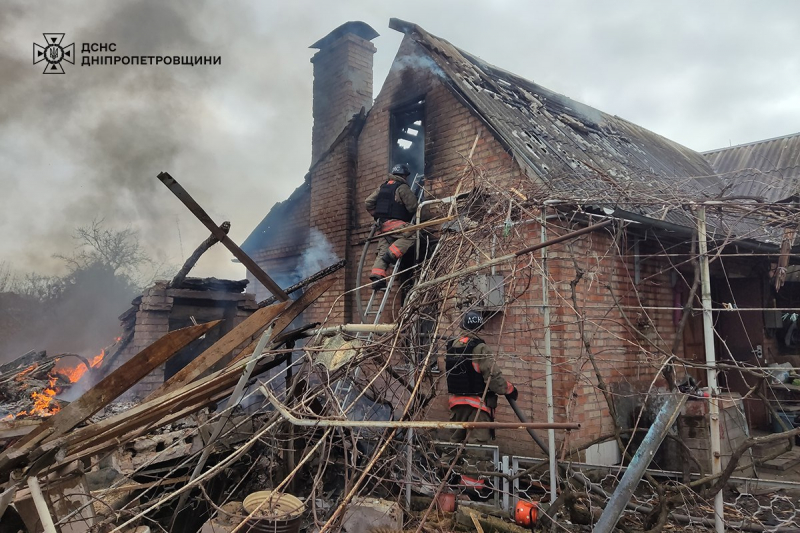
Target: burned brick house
[(547, 161)]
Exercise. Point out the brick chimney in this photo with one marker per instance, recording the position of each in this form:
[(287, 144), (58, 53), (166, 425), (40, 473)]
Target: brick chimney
[(342, 81)]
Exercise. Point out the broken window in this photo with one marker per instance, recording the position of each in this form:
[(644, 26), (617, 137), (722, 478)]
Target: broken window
[(408, 138)]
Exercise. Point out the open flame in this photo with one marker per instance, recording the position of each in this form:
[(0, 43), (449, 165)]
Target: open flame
[(75, 373), (43, 404), (43, 401)]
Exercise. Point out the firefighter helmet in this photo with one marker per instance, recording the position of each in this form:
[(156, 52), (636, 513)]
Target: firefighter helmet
[(401, 170), (473, 320)]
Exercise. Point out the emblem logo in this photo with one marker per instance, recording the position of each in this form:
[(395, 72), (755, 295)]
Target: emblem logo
[(53, 53)]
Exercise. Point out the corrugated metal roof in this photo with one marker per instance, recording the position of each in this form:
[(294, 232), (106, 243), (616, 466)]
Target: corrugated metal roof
[(768, 170)]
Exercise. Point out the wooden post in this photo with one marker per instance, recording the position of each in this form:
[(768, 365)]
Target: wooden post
[(203, 217)]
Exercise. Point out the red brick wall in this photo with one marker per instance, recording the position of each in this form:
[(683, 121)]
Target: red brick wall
[(518, 333), (342, 86), (153, 322), (332, 185)]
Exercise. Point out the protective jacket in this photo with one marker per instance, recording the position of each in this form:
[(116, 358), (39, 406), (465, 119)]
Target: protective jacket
[(469, 365), (392, 201)]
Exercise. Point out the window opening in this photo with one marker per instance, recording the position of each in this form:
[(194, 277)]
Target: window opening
[(408, 139)]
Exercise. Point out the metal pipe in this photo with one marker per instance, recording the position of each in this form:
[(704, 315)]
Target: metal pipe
[(711, 361), (548, 360), (512, 256), (41, 505), (523, 419), (658, 431), (351, 328), (399, 424)]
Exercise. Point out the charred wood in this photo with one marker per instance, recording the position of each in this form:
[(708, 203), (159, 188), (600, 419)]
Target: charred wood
[(305, 282), (198, 252)]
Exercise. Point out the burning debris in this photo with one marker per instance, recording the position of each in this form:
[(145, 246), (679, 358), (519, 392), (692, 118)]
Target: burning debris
[(41, 388)]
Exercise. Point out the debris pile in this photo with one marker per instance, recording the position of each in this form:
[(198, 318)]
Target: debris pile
[(299, 425)]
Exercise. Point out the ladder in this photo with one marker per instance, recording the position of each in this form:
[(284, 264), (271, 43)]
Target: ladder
[(346, 385)]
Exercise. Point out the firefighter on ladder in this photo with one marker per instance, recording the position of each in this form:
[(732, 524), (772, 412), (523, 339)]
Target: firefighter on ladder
[(470, 366), (393, 205)]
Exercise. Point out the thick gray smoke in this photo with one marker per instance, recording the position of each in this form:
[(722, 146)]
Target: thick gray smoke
[(88, 144), (317, 255)]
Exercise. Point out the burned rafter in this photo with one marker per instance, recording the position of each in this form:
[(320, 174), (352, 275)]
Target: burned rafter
[(212, 239), (218, 232)]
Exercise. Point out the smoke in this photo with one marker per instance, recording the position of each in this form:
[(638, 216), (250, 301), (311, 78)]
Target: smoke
[(88, 144), (418, 62), (317, 256)]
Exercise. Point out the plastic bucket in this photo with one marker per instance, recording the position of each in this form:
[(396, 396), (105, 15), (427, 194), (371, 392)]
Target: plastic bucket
[(274, 512)]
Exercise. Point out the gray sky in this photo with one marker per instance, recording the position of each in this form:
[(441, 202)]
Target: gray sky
[(237, 135)]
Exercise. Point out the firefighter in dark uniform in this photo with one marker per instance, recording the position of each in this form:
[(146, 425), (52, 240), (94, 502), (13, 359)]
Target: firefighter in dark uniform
[(393, 205), (470, 366)]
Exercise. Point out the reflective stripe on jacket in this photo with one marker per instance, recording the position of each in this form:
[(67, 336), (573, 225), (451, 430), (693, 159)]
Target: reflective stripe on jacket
[(472, 401)]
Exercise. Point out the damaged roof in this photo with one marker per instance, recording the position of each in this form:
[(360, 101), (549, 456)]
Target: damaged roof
[(583, 155), (767, 170), (264, 233), (572, 148)]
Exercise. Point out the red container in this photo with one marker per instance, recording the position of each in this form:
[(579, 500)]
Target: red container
[(525, 513)]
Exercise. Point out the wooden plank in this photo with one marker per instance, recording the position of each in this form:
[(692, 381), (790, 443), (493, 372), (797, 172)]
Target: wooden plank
[(297, 307), (17, 428), (203, 217), (106, 445), (107, 390), (220, 349), (144, 413)]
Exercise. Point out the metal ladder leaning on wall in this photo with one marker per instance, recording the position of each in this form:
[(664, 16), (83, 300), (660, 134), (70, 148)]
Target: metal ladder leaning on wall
[(346, 385)]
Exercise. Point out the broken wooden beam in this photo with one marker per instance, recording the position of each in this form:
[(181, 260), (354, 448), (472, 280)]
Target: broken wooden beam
[(307, 281), (189, 264), (252, 325), (203, 217)]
